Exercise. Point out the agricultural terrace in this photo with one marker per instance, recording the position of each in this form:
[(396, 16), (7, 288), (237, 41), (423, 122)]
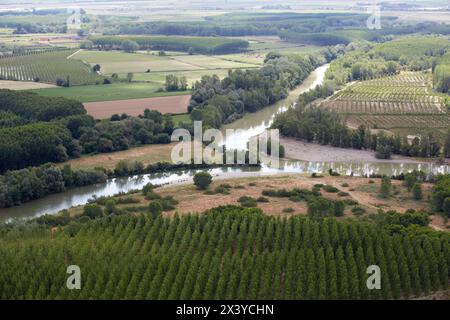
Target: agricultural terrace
[(47, 67), (403, 103)]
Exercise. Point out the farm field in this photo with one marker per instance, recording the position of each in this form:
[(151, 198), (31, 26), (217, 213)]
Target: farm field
[(46, 67), (147, 154), (110, 92), (121, 62), (403, 103), (191, 76), (23, 85), (135, 107)]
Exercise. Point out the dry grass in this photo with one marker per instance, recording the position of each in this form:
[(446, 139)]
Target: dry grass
[(147, 154)]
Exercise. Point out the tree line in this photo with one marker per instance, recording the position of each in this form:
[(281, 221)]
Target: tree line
[(320, 125), (204, 45), (226, 253), (20, 186)]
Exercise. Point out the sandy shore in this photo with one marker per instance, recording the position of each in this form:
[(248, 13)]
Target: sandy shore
[(299, 150)]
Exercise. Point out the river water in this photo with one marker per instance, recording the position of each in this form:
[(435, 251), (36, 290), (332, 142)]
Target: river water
[(250, 125)]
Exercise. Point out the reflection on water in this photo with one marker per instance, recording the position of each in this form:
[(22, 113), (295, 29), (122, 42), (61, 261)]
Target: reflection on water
[(80, 196), (253, 124)]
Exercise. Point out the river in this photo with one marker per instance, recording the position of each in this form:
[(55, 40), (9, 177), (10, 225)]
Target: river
[(250, 125)]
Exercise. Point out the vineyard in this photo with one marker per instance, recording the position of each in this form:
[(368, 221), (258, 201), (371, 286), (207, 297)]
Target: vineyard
[(46, 67), (227, 253), (408, 93), (405, 102)]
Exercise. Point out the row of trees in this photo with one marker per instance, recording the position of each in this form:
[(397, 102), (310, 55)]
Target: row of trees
[(441, 194), (227, 253), (204, 45), (216, 101), (326, 127)]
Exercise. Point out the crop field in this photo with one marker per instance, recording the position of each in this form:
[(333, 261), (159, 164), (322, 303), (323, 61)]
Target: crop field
[(191, 76), (403, 103), (121, 62), (136, 107), (401, 94), (46, 67), (114, 91)]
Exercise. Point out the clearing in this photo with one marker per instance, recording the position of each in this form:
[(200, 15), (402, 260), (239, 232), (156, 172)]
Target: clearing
[(24, 85), (135, 107)]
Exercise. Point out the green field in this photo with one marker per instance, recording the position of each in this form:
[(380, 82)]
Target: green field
[(115, 91), (121, 62), (191, 76)]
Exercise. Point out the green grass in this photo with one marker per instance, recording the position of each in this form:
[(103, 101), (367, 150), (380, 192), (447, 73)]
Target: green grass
[(122, 62), (191, 76), (115, 91), (184, 118)]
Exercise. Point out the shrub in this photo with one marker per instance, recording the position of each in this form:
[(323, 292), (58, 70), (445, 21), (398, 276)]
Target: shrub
[(339, 207), (345, 185), (288, 210), (417, 191), (155, 208), (385, 189), (110, 206), (343, 194), (358, 211), (262, 199), (247, 202), (330, 189), (92, 211), (350, 202), (202, 180)]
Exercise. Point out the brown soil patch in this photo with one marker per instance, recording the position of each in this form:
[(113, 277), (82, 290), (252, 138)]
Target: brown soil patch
[(135, 107)]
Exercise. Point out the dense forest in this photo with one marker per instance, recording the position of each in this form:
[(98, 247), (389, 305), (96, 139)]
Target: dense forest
[(216, 101), (35, 130), (226, 253), (313, 28)]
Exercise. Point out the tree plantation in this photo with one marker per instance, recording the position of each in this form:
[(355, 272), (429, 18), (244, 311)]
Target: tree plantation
[(227, 253)]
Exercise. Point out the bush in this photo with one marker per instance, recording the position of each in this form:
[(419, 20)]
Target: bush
[(110, 206), (262, 199), (385, 189), (330, 189), (343, 194), (155, 208), (202, 180), (247, 202), (288, 210), (339, 207), (92, 211), (345, 185), (358, 211), (417, 191)]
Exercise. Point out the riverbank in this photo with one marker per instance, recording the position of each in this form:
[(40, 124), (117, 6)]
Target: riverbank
[(305, 151), (363, 192)]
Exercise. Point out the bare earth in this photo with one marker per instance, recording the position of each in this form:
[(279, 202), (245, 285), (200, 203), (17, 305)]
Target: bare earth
[(24, 85), (135, 107), (300, 150)]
